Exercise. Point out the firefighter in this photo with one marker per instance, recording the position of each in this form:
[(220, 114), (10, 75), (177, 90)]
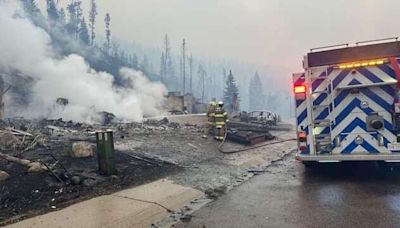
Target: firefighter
[(221, 117), (210, 125)]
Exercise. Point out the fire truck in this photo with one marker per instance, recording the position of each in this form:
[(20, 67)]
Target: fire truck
[(347, 103)]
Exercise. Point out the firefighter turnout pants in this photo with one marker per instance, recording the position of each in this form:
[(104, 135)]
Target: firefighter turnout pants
[(219, 130), (209, 128)]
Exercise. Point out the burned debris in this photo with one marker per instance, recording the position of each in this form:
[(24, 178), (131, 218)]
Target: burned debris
[(58, 160), (3, 175), (254, 127), (106, 118), (247, 137), (62, 101)]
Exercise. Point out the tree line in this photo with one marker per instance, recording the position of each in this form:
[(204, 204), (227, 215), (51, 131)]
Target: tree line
[(74, 32), (179, 72)]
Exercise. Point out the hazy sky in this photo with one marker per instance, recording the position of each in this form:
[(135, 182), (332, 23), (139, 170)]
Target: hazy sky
[(267, 32)]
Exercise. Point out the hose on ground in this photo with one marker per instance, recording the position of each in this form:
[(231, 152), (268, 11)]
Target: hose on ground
[(248, 148)]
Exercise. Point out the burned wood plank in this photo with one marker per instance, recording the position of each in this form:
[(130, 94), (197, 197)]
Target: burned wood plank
[(18, 132)]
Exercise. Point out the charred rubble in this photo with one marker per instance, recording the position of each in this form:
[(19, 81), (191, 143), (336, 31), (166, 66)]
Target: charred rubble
[(51, 163)]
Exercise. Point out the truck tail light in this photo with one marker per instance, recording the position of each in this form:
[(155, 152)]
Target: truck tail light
[(300, 92), (299, 89)]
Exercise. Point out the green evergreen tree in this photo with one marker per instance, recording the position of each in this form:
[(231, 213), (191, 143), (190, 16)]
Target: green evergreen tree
[(107, 44), (134, 61), (52, 12), (231, 93), (73, 22), (115, 49), (256, 94), (33, 12), (84, 32), (62, 17), (145, 65), (78, 8), (92, 20), (30, 7)]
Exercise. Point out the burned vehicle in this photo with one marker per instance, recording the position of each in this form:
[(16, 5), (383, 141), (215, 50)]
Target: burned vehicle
[(262, 117)]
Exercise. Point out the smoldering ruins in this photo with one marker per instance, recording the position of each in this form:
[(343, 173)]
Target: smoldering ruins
[(53, 101), (38, 75), (45, 96)]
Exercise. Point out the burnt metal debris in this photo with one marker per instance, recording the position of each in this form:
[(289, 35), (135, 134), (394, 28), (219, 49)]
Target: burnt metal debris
[(247, 137)]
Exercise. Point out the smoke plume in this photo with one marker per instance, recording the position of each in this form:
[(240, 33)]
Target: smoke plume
[(26, 49)]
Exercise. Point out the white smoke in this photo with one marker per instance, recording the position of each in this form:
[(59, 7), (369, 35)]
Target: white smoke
[(26, 48)]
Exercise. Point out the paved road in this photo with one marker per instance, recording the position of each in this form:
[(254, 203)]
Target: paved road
[(288, 195)]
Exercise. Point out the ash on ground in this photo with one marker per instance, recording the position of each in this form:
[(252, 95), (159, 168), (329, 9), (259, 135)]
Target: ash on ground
[(144, 152), (68, 178)]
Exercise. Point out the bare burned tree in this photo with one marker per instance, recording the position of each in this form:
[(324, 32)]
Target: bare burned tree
[(92, 21)]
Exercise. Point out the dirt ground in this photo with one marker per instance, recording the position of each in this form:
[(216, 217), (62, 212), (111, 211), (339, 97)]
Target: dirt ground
[(144, 152), (27, 194)]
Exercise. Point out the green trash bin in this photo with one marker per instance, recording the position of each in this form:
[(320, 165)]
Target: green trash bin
[(105, 152)]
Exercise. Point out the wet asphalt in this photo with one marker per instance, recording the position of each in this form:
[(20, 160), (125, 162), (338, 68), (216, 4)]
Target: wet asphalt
[(290, 195)]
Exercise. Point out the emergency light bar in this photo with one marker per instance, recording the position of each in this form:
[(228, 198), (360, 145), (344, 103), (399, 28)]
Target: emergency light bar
[(362, 64), (353, 55)]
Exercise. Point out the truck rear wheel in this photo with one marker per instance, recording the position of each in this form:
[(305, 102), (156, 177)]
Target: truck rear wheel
[(309, 164), (386, 167)]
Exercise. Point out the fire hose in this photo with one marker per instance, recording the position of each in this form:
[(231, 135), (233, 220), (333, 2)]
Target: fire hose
[(248, 148)]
